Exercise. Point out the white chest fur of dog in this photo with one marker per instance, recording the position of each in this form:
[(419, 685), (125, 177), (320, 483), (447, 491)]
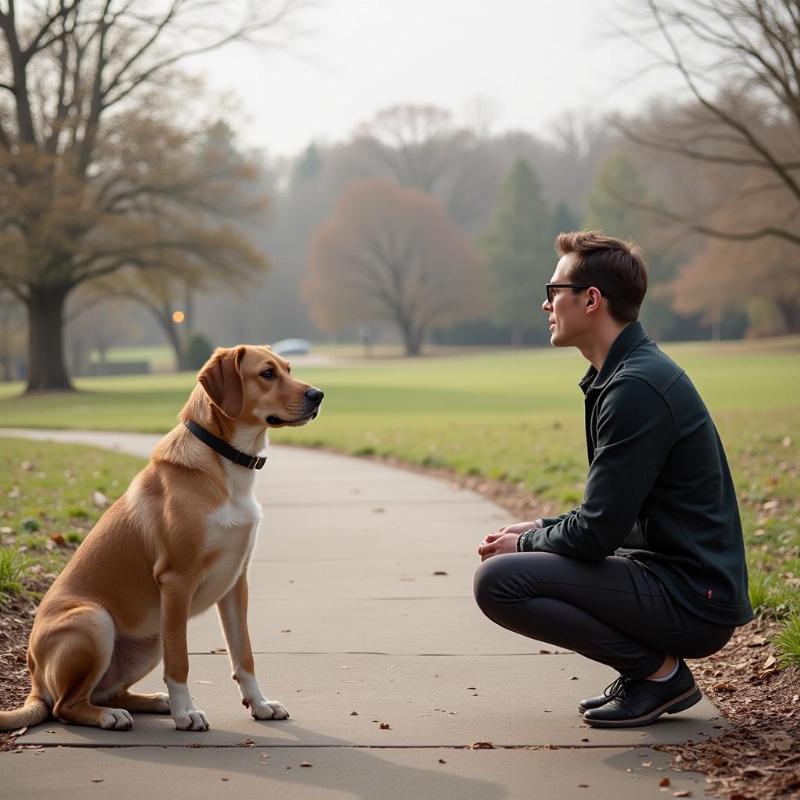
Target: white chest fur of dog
[(231, 531)]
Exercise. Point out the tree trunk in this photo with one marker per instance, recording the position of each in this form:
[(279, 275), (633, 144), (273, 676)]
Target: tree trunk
[(790, 311), (46, 368), (175, 341), (412, 338)]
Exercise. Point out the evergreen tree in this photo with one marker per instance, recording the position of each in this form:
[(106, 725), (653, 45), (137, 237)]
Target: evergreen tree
[(519, 247), (617, 178), (608, 208), (564, 220)]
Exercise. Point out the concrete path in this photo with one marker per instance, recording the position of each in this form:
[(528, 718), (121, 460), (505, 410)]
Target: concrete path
[(361, 614)]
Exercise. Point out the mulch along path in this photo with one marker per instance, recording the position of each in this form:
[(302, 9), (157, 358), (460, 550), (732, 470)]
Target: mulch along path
[(758, 759)]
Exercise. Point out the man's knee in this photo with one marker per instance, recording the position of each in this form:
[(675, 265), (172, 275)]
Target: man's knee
[(489, 585)]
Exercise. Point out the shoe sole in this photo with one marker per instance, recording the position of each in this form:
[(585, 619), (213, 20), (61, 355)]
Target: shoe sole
[(680, 703)]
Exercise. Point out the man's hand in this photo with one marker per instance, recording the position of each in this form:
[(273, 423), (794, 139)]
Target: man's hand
[(504, 540), (496, 543)]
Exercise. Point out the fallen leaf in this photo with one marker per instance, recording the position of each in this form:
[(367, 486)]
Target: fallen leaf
[(439, 572), (354, 713), (664, 782), (482, 745), (682, 793), (306, 764), (780, 741), (384, 726), (442, 761), (770, 662)]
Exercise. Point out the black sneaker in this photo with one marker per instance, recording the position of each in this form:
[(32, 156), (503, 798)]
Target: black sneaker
[(609, 693), (641, 702)]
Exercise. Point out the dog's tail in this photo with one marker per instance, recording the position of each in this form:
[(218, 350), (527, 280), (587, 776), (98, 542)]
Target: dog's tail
[(34, 711)]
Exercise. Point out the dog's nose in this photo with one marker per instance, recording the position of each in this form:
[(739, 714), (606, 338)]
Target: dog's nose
[(314, 395)]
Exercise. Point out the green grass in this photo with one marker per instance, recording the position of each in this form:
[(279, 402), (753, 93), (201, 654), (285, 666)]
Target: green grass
[(514, 416), (788, 642), (48, 495), (12, 565)]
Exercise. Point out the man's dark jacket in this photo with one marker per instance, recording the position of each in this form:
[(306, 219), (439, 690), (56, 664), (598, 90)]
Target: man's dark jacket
[(659, 489)]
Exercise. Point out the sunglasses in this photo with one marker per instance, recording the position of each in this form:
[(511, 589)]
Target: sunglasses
[(550, 286)]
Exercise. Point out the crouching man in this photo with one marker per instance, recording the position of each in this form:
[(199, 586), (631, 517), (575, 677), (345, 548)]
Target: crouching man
[(650, 568)]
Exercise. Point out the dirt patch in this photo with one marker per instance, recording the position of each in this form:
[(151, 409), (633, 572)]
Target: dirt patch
[(16, 620), (760, 758)]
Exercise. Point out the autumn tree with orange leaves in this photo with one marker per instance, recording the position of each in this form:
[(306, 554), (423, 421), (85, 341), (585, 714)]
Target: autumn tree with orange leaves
[(96, 166)]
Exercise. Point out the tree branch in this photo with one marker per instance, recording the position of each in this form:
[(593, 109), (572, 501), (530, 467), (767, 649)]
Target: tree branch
[(708, 230), (699, 155), (726, 118)]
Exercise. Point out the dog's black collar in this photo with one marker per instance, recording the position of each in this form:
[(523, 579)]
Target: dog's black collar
[(224, 449)]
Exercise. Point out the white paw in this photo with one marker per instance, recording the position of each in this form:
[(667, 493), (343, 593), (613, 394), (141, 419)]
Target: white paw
[(265, 709), (161, 704), (192, 719), (116, 719)]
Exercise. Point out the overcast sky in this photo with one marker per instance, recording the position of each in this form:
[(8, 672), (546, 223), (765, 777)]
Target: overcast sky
[(517, 64)]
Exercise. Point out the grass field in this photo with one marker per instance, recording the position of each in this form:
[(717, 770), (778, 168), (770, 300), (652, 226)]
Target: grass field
[(514, 416), (49, 503)]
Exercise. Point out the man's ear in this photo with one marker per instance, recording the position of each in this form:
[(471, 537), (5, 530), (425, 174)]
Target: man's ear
[(221, 379), (593, 298)]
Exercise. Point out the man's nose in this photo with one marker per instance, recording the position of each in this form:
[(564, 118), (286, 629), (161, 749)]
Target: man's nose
[(314, 395)]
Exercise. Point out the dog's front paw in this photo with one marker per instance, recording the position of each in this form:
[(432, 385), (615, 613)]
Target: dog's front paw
[(116, 719), (266, 709), (192, 719)]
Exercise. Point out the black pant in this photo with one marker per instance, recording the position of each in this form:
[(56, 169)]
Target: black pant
[(615, 611)]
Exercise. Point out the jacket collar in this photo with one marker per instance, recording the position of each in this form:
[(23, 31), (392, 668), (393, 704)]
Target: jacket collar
[(628, 340)]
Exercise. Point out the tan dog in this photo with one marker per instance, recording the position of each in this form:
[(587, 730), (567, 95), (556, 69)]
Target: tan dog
[(178, 540)]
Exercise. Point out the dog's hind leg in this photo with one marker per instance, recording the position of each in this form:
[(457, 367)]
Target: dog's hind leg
[(79, 650), (156, 703)]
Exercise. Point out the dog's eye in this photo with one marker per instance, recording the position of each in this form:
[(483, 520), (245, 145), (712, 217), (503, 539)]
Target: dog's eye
[(268, 374)]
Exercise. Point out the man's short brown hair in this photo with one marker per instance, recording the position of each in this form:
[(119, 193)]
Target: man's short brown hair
[(617, 268)]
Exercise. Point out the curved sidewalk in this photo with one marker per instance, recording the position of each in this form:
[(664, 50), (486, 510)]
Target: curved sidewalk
[(361, 613)]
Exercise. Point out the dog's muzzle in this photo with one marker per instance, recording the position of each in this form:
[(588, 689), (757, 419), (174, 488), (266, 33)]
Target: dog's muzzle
[(311, 403)]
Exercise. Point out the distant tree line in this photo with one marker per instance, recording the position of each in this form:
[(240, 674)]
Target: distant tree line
[(436, 230)]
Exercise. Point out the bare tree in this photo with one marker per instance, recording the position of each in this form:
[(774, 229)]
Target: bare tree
[(739, 61), (392, 253), (80, 80), (421, 147)]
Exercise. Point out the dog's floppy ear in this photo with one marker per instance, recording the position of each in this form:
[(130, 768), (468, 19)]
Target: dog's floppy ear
[(222, 380)]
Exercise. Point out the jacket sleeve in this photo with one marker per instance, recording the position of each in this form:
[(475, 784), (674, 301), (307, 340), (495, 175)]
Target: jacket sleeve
[(635, 432), (546, 521)]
